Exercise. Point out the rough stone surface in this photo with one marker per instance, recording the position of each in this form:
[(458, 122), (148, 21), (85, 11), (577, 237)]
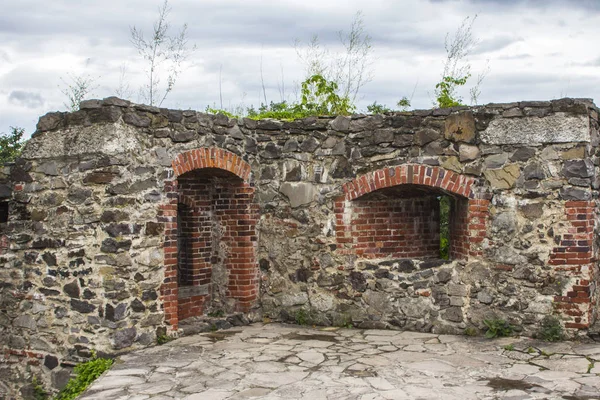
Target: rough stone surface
[(285, 362), (555, 128), (299, 193), (460, 127), (325, 220)]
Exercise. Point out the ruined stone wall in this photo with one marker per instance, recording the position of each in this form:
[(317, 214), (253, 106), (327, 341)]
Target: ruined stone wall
[(89, 252)]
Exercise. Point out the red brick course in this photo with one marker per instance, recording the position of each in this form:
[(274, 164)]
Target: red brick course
[(574, 256)]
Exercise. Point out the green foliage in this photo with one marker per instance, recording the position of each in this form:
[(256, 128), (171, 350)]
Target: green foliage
[(470, 331), (76, 89), (509, 347), (85, 374), (282, 111), (445, 227), (39, 393), (497, 328), (403, 103), (11, 144), (378, 108), (318, 97), (162, 339), (590, 366), (446, 89), (346, 321), (210, 110), (216, 314), (301, 316), (551, 330)]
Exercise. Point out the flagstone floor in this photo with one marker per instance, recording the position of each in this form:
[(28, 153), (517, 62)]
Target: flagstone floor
[(276, 361)]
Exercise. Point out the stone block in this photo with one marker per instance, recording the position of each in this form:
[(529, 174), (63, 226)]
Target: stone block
[(467, 152), (299, 193), (460, 127), (504, 178), (554, 128)]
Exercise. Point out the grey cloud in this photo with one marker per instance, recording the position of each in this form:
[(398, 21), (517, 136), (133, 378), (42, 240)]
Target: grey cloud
[(522, 56), (496, 43), (544, 4), (592, 63), (26, 99)]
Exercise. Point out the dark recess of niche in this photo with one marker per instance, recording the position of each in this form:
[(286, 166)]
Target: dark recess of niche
[(3, 211)]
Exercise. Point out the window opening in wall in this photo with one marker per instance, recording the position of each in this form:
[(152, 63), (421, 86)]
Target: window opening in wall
[(445, 206), (3, 211), (406, 221)]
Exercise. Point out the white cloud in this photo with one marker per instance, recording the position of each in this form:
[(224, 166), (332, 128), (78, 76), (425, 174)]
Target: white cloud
[(536, 49)]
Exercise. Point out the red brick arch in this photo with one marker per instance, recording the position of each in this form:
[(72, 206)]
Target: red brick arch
[(211, 157), (373, 230), (414, 174), (237, 218)]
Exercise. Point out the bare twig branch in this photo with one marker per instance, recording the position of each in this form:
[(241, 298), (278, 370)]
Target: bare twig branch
[(161, 49), (76, 89)]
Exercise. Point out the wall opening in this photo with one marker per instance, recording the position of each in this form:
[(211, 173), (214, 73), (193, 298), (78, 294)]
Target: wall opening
[(3, 211), (216, 238), (406, 222)]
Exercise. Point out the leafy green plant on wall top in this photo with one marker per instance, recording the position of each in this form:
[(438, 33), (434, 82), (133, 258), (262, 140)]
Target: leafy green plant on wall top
[(497, 328), (376, 108), (446, 97), (85, 374), (318, 97)]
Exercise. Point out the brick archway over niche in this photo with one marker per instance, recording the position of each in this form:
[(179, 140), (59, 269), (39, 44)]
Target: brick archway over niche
[(382, 213), (210, 236), (211, 157)]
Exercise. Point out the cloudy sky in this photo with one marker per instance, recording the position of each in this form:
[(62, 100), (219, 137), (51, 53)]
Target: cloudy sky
[(536, 49)]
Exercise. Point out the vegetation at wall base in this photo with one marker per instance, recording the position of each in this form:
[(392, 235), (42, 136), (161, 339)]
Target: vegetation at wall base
[(162, 339), (551, 330), (497, 328), (85, 374)]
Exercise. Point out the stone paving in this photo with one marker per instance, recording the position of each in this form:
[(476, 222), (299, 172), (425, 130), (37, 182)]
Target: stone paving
[(275, 361)]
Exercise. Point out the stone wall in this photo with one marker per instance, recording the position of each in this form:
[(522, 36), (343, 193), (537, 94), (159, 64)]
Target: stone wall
[(308, 218)]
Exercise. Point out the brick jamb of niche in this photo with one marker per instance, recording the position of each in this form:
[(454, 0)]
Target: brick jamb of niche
[(574, 256), (206, 157), (425, 175)]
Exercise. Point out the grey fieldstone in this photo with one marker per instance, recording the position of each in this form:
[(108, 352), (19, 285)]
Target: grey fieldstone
[(72, 289), (496, 161), (523, 154), (25, 321), (426, 135), (578, 168), (299, 193), (467, 152), (124, 338), (534, 171)]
